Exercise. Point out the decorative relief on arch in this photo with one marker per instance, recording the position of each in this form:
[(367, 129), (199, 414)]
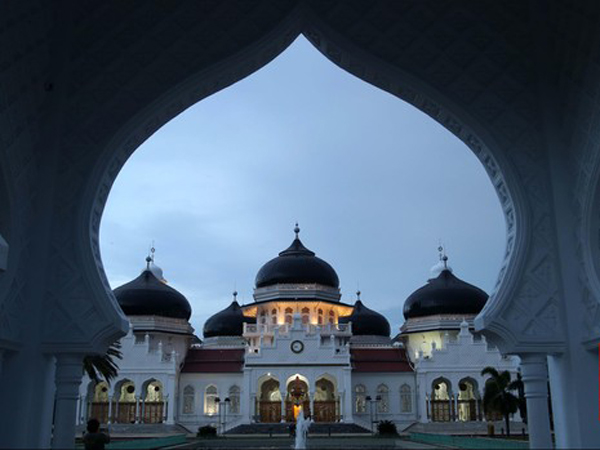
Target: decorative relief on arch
[(499, 101), (523, 196)]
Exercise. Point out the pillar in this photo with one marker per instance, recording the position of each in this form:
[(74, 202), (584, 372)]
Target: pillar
[(110, 405), (68, 378), (347, 392), (535, 379)]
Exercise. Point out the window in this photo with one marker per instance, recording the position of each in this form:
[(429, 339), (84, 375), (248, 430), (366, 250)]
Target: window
[(331, 317), (263, 317), (405, 399), (383, 399), (234, 400), (289, 318), (211, 405), (305, 315), (360, 401), (188, 400), (320, 320)]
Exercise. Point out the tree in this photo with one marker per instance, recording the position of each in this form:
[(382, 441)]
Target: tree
[(103, 366), (497, 395)]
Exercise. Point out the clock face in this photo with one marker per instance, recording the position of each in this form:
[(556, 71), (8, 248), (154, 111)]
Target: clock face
[(297, 346)]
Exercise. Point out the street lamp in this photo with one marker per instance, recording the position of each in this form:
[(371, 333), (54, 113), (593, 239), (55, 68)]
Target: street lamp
[(226, 404)]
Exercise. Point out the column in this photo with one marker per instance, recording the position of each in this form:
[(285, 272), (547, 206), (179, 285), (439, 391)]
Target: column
[(68, 379), (111, 399), (347, 393), (535, 379)]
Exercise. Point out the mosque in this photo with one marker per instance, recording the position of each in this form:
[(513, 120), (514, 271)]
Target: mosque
[(297, 346)]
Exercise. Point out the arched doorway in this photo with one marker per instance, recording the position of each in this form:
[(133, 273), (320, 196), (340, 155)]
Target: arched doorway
[(441, 401), (125, 406), (297, 398), (153, 402), (99, 406), (468, 402), (270, 401), (326, 402)]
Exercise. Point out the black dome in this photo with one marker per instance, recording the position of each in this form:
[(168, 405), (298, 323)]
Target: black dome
[(445, 294), (366, 322), (147, 296), (229, 322), (297, 264)]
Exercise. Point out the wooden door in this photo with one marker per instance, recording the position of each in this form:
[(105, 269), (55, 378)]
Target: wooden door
[(325, 411), (99, 410), (440, 411), (270, 412), (153, 412), (125, 412)]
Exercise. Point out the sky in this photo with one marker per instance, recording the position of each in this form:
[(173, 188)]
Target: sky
[(374, 183)]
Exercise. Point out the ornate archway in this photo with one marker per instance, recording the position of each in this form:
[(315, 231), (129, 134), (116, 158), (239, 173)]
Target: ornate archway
[(496, 74)]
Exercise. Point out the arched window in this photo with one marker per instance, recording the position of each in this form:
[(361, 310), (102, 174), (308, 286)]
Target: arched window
[(101, 392), (234, 400), (188, 399), (405, 398), (127, 394), (263, 317), (211, 405), (305, 315), (289, 315), (383, 399), (274, 316), (154, 392), (331, 317), (320, 319), (360, 401)]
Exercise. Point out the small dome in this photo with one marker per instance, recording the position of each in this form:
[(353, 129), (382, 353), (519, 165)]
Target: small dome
[(445, 294), (297, 264), (366, 322), (148, 296), (228, 322)]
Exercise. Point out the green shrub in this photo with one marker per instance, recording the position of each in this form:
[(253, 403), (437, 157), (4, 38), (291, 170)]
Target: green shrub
[(207, 431), (387, 427)]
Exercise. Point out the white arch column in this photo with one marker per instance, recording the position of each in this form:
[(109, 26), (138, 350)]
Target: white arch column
[(68, 379), (535, 379)]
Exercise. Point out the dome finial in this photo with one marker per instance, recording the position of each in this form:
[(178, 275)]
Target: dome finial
[(152, 251), (358, 295), (297, 230), (148, 261), (235, 294)]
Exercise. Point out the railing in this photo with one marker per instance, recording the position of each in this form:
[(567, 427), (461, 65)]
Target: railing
[(327, 329)]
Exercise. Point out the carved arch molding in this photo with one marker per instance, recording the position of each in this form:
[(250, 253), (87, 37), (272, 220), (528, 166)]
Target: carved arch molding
[(131, 67)]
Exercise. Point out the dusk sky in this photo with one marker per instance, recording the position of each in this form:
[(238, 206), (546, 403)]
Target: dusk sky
[(374, 183)]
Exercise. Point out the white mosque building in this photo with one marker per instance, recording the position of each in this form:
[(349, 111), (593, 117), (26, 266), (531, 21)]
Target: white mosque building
[(297, 346)]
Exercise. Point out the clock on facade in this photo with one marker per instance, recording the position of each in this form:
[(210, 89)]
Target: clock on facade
[(297, 346)]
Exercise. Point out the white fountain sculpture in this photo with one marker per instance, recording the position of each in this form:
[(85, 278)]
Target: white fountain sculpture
[(302, 425)]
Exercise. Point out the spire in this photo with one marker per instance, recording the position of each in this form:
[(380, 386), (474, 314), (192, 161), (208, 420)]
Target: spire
[(358, 295), (442, 265), (235, 294), (297, 230)]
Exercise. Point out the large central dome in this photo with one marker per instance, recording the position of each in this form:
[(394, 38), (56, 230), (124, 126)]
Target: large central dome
[(297, 264)]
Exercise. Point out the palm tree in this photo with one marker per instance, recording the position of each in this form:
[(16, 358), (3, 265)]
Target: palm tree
[(103, 366), (497, 396)]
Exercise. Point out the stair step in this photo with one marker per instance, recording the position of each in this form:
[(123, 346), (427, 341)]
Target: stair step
[(284, 428)]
